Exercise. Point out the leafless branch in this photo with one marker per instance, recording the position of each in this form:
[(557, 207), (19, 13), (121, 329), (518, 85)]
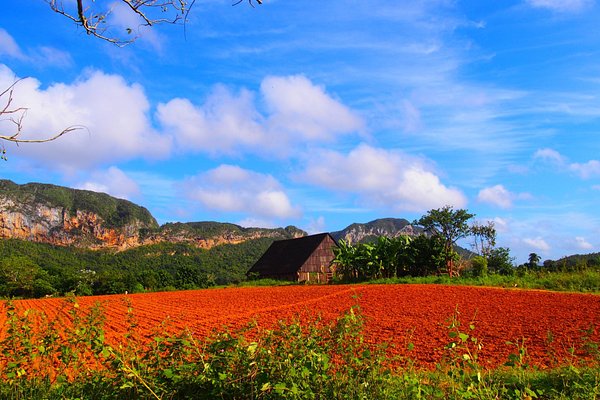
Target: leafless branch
[(249, 2), (16, 116), (94, 19)]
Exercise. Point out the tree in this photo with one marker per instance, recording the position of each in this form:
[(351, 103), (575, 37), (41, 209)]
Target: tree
[(14, 116), (484, 238), (424, 256), (500, 261), (451, 225), (94, 17), (533, 260)]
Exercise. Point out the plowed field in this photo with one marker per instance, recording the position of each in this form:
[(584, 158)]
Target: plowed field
[(549, 323)]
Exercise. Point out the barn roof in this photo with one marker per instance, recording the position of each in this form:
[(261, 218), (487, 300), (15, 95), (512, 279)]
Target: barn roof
[(286, 257)]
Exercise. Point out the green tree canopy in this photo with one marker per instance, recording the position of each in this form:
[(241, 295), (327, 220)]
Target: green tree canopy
[(450, 225)]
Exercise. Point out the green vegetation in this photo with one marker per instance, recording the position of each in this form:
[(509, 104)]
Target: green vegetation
[(34, 269), (419, 260), (295, 360), (584, 281)]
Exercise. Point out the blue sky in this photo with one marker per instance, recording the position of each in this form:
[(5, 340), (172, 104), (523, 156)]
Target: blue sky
[(321, 114)]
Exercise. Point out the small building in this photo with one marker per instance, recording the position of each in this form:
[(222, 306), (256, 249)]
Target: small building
[(305, 259)]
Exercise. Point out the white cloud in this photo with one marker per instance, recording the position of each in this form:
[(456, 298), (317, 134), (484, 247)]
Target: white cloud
[(499, 196), (501, 225), (316, 225), (112, 181), (549, 155), (8, 46), (113, 113), (380, 177), (229, 188), (300, 108), (583, 244), (227, 122), (586, 170), (496, 195), (561, 5), (537, 243)]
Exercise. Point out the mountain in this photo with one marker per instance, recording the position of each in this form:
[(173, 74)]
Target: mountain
[(370, 231), (81, 218), (62, 216)]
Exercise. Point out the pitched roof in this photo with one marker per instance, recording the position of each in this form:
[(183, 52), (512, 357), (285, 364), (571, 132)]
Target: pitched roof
[(286, 257)]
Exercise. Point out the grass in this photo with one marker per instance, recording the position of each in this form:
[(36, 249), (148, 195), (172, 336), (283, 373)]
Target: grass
[(587, 281)]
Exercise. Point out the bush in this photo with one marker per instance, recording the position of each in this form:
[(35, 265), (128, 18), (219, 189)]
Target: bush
[(479, 266)]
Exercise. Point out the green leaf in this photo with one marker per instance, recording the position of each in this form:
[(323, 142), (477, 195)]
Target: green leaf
[(266, 387), (126, 385), (280, 388)]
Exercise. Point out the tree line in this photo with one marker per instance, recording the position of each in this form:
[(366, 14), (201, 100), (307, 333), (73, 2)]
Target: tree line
[(433, 252), (30, 269)]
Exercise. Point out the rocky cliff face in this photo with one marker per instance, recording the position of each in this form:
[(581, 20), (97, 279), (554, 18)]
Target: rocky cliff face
[(57, 225), (210, 234), (390, 227), (80, 218)]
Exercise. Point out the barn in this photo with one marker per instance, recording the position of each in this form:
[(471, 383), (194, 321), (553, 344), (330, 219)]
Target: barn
[(305, 259)]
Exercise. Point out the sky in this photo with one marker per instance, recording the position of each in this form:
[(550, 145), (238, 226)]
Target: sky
[(321, 114)]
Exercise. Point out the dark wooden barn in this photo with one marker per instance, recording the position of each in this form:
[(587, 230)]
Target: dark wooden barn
[(305, 259)]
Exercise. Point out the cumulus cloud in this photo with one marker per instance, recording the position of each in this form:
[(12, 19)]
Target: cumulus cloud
[(586, 170), (583, 244), (229, 188), (227, 122), (496, 195), (112, 113), (224, 123), (561, 5), (112, 181), (298, 108), (537, 243), (499, 196), (386, 178)]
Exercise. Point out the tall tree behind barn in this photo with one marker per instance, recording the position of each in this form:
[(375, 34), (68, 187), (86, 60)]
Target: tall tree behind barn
[(305, 259)]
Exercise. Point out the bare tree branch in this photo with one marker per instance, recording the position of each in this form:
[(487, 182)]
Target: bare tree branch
[(15, 117), (95, 20)]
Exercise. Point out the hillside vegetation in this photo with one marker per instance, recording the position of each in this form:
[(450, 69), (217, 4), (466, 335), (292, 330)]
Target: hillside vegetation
[(35, 269)]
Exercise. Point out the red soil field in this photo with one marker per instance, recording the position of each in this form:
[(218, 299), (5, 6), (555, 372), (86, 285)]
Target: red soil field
[(549, 323)]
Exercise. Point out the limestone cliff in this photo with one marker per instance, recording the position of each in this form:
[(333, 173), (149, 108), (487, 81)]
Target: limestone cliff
[(69, 217), (370, 231), (63, 216)]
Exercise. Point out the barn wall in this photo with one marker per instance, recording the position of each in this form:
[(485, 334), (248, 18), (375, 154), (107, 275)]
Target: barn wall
[(316, 268)]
